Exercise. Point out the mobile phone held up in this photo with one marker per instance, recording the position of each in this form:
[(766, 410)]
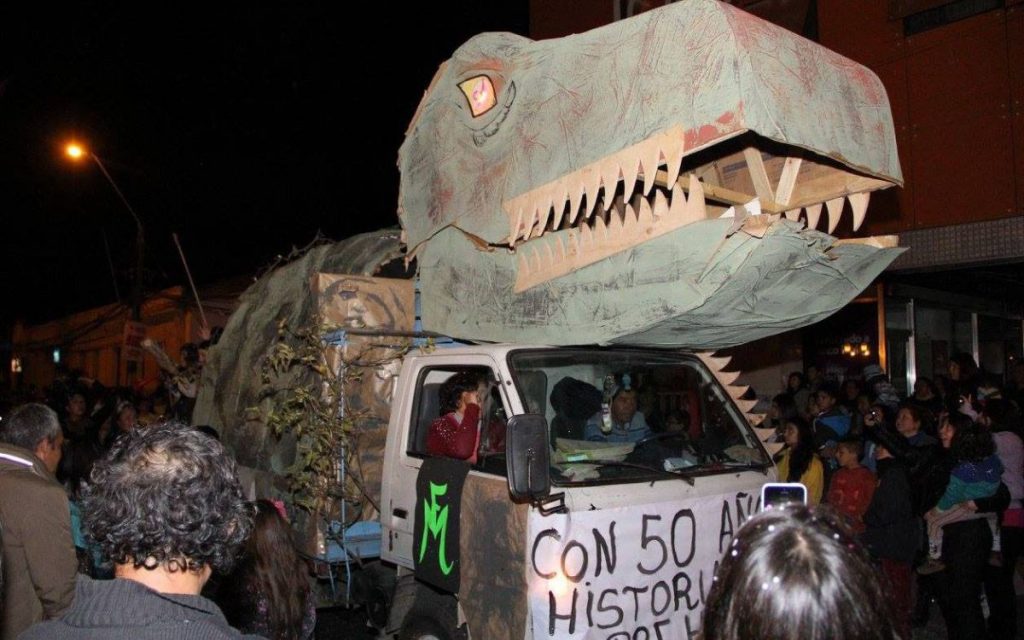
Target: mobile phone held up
[(776, 495)]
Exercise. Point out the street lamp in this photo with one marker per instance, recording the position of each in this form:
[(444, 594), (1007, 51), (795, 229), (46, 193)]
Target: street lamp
[(77, 152)]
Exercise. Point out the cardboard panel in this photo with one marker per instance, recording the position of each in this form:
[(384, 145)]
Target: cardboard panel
[(362, 302), (357, 302), (892, 210), (495, 537), (959, 72), (861, 30)]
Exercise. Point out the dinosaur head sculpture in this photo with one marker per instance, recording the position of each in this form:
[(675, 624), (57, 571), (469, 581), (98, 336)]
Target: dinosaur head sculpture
[(644, 182)]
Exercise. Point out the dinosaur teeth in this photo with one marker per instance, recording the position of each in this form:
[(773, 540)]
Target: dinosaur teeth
[(576, 195), (673, 152), (696, 208), (610, 173), (559, 200), (644, 215), (581, 190), (813, 212), (573, 240), (576, 230), (534, 257), (859, 204), (627, 225), (586, 237), (661, 208), (649, 165), (560, 245), (677, 210), (835, 211), (541, 219), (531, 223), (615, 222), (524, 264), (630, 170), (600, 228), (549, 256), (592, 180)]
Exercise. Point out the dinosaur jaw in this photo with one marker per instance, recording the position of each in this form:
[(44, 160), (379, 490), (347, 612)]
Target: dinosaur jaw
[(656, 186)]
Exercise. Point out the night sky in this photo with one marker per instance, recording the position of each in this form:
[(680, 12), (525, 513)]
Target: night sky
[(243, 128)]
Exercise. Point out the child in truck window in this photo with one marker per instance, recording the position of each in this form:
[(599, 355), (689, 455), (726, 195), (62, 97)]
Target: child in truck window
[(456, 434)]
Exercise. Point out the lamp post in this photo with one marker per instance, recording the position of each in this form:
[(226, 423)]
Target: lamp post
[(77, 152)]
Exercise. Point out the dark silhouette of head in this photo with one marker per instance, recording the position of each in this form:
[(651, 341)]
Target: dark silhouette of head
[(167, 496), (452, 389), (795, 573)]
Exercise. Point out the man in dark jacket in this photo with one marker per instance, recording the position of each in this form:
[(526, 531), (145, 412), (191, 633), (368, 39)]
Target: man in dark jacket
[(893, 531), (39, 556), (166, 507)]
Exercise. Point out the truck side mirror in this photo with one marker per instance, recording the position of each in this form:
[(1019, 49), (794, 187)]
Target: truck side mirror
[(527, 457)]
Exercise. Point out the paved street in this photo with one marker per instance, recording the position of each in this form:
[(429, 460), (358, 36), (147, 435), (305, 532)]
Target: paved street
[(338, 623)]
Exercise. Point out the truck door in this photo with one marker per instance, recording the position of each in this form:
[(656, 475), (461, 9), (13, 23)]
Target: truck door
[(407, 437)]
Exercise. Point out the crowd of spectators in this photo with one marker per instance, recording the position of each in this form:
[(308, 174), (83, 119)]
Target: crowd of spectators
[(930, 487), (932, 484), (116, 513)]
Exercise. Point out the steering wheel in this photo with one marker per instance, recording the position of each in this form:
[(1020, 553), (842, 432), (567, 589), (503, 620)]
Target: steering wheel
[(658, 437)]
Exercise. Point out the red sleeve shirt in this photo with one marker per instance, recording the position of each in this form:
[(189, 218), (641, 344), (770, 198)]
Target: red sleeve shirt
[(850, 493), (453, 439)]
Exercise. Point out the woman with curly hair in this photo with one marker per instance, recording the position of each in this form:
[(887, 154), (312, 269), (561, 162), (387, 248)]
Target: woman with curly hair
[(799, 463), (268, 593), (164, 505)]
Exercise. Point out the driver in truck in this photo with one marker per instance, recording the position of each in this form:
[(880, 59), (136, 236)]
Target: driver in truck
[(625, 423)]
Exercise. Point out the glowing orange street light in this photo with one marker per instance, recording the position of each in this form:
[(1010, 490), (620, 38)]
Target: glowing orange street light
[(76, 152)]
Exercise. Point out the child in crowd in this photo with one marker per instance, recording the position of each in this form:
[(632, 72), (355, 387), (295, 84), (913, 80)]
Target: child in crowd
[(853, 485)]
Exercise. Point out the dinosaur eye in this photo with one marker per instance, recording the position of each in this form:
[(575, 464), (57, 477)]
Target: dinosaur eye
[(479, 93)]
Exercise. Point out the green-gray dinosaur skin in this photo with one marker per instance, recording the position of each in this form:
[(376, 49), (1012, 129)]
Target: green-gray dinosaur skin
[(698, 67)]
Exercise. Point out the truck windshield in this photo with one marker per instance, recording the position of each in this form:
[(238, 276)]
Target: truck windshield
[(622, 415)]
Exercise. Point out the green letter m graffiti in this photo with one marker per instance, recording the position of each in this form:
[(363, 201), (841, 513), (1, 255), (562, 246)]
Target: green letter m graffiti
[(435, 523)]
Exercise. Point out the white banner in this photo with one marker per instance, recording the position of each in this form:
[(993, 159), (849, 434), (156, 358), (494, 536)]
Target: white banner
[(631, 573)]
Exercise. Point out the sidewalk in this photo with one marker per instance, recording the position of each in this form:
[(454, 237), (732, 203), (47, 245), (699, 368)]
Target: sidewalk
[(936, 627)]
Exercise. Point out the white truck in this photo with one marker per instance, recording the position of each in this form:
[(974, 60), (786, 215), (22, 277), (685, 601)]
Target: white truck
[(547, 534), (602, 540)]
